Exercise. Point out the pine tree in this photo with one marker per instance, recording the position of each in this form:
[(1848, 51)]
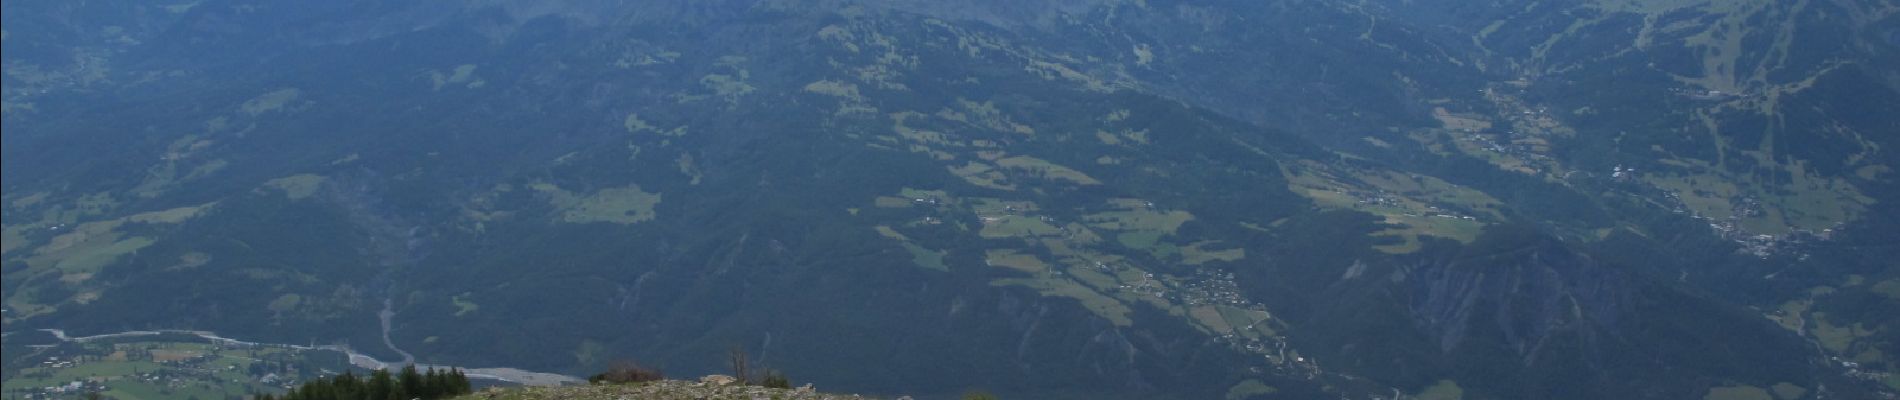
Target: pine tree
[(459, 381), (411, 382), (380, 385), (438, 384)]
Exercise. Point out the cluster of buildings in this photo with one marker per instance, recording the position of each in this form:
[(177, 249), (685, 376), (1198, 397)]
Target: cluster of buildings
[(181, 370), (1763, 245), (60, 391), (56, 363), (1854, 371), (1213, 288), (1730, 228)]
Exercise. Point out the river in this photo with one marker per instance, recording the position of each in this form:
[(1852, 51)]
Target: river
[(510, 375)]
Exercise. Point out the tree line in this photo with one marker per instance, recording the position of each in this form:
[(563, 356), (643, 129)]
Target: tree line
[(382, 385)]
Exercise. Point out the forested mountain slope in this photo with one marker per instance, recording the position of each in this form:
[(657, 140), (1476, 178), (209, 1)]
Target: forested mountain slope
[(1068, 199)]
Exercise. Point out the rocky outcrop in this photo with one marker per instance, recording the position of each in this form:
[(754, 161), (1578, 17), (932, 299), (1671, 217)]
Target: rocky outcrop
[(1526, 295)]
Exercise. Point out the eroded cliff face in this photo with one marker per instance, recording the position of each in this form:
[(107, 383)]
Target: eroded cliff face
[(1520, 306), (1524, 296)]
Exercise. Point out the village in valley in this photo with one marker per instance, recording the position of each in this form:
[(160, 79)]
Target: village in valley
[(1106, 260), (1764, 219), (160, 367)]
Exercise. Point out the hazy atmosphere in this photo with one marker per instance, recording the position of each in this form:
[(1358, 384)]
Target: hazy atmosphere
[(950, 199)]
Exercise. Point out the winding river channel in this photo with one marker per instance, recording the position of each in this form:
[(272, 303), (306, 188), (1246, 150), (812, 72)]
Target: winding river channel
[(510, 375)]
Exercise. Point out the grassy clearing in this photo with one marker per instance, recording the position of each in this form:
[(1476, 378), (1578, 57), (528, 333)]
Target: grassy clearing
[(14, 237), (268, 102), (172, 216), (1141, 240), (296, 186), (1047, 169), (1095, 279), (206, 169), (1249, 388), (1872, 172), (835, 88), (1810, 201), (1198, 253), (625, 205), (1009, 258), (1056, 258), (686, 166), (82, 234), (158, 179), (618, 205), (1082, 235), (1016, 226), (287, 302), (1792, 314), (1414, 205), (1141, 219), (1835, 337), (1460, 122), (1428, 190), (925, 194), (1250, 323), (983, 175), (1707, 195), (1210, 319), (729, 87), (100, 203), (1057, 71), (921, 136), (1870, 356), (886, 231), (1889, 288), (1142, 227), (891, 202), (909, 197), (1807, 201), (1123, 137), (462, 75), (463, 305), (1411, 228), (926, 258), (1743, 392), (87, 250), (993, 206), (919, 255), (635, 125), (1788, 391), (29, 200), (1443, 390)]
